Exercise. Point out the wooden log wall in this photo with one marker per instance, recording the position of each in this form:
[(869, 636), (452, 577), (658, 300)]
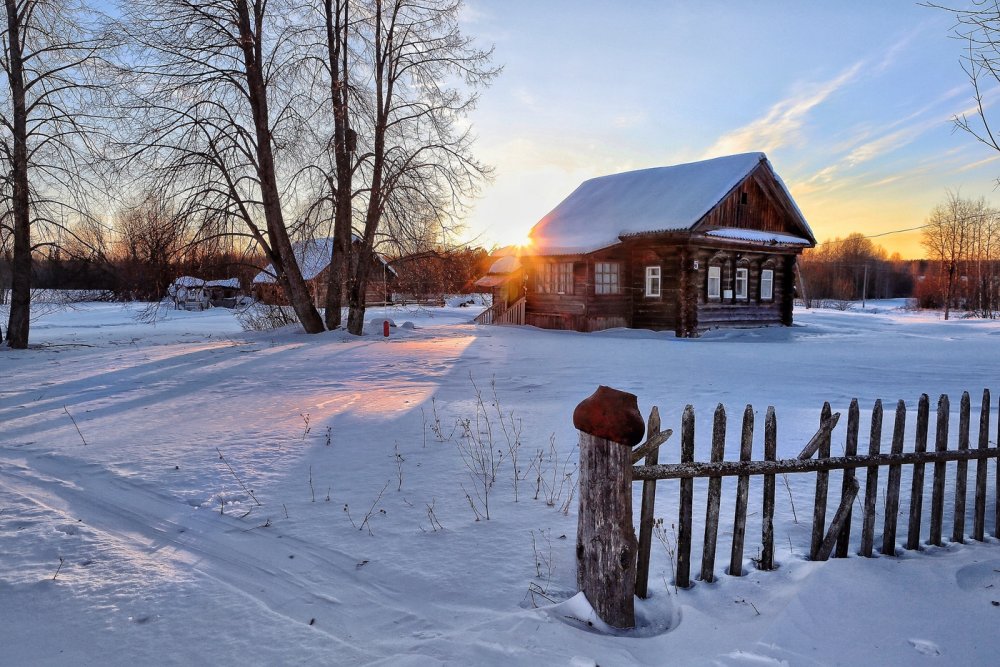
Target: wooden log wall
[(834, 539)]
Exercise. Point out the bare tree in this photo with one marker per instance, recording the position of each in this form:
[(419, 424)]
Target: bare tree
[(414, 159), (948, 238), (215, 105), (47, 128)]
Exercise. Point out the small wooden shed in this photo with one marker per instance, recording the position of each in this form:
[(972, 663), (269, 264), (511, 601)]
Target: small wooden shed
[(313, 257), (685, 248)]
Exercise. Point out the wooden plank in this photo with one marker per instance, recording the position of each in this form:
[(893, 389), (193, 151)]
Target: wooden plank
[(962, 473), (892, 486), (735, 468), (742, 494), (647, 511), (839, 518), (996, 487), (714, 498), (871, 483), (822, 435), (850, 481), (822, 485), (683, 579), (937, 493), (652, 444), (979, 522), (767, 522), (917, 486)]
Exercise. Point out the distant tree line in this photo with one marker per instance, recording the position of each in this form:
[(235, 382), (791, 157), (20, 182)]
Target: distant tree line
[(854, 268)]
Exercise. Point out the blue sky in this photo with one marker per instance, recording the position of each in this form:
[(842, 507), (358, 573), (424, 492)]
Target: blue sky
[(852, 102)]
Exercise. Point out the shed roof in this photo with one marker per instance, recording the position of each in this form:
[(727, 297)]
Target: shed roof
[(602, 210), (313, 256)]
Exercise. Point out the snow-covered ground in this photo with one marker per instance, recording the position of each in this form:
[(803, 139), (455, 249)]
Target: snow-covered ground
[(188, 493)]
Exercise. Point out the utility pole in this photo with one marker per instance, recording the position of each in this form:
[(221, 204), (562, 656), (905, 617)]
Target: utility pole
[(864, 287)]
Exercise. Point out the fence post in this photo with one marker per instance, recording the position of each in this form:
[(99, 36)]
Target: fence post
[(610, 425)]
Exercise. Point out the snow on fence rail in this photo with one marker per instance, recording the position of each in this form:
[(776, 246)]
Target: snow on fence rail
[(834, 539)]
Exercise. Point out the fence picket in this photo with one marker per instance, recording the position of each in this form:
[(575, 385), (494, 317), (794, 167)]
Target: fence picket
[(683, 579), (871, 483), (892, 485), (742, 494), (937, 495), (850, 481), (979, 522), (962, 473), (646, 516), (822, 485), (714, 498), (917, 485), (767, 523)]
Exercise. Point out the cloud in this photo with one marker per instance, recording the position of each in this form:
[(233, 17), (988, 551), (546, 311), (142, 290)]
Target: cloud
[(782, 123), (627, 120)]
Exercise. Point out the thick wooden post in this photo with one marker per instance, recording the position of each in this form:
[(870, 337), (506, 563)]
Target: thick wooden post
[(610, 425), (684, 513), (937, 488), (962, 472), (742, 495)]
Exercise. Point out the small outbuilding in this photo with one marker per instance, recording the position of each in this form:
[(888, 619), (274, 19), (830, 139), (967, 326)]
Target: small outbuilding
[(313, 257), (685, 248)]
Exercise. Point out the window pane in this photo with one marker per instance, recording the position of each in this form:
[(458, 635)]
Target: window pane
[(652, 281), (606, 278), (714, 281), (741, 283), (767, 284)]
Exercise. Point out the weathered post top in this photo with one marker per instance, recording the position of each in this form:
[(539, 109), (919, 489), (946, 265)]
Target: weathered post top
[(611, 414)]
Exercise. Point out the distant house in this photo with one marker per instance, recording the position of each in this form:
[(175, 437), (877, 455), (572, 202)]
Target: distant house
[(313, 257), (684, 248)]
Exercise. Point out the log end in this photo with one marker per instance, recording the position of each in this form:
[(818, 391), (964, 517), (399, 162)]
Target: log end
[(611, 414)]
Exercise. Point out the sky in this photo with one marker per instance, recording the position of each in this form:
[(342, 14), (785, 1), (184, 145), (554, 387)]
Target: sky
[(853, 102)]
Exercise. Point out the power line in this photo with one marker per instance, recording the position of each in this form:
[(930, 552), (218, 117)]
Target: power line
[(874, 236)]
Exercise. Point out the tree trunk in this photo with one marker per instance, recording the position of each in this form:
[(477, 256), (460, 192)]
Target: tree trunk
[(298, 292), (340, 260), (20, 297)]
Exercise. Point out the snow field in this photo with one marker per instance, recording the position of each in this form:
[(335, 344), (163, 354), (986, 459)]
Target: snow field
[(168, 559)]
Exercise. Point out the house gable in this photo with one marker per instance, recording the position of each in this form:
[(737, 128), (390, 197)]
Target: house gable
[(758, 202)]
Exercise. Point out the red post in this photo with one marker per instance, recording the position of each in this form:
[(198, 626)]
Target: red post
[(385, 328), (610, 425)]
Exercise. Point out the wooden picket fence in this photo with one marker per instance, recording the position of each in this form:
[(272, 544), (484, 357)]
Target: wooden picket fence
[(835, 538)]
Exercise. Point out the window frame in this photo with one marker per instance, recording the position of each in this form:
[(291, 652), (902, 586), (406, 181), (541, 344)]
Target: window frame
[(741, 283), (716, 280), (654, 274), (769, 295), (607, 278), (555, 278)]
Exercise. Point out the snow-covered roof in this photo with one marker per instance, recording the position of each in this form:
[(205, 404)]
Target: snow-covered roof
[(662, 199), (188, 281), (313, 256), (227, 282), (757, 236), (507, 264)]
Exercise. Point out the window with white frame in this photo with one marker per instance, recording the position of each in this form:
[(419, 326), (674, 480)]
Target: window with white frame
[(555, 278), (742, 280), (653, 280), (714, 282), (767, 285), (607, 278)]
